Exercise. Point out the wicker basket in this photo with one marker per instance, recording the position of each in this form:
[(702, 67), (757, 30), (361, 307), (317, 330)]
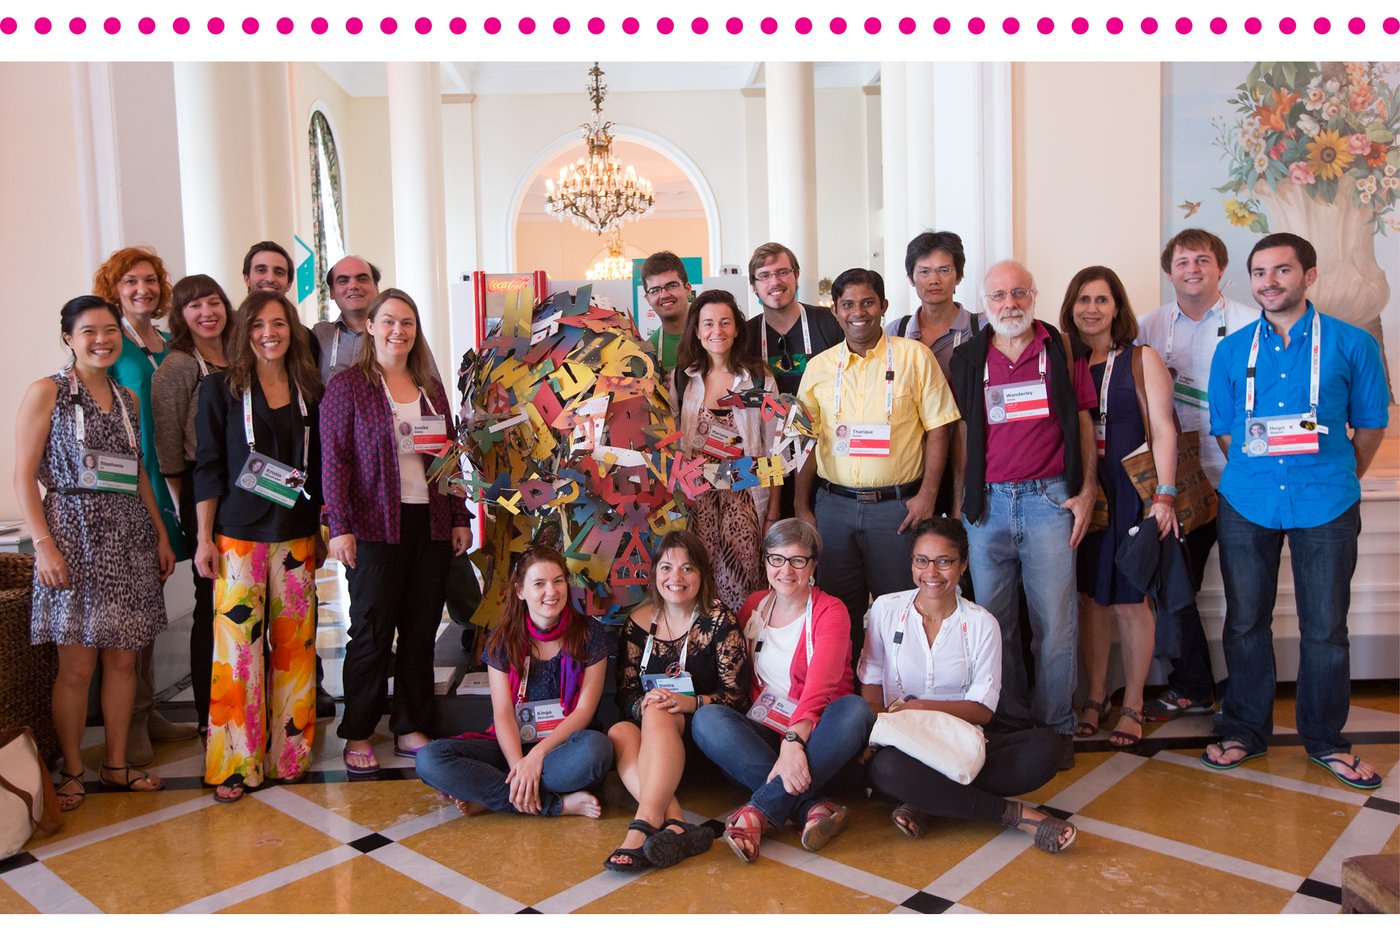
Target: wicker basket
[(27, 672)]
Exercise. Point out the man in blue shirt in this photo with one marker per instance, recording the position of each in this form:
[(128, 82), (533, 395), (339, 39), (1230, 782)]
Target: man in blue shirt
[(1281, 396)]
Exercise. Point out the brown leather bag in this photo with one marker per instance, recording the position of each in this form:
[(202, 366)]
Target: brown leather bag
[(1195, 499)]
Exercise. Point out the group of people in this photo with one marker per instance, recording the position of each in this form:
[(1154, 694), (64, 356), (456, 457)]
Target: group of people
[(958, 457)]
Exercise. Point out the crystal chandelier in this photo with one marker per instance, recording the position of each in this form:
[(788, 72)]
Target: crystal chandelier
[(594, 192), (612, 267)]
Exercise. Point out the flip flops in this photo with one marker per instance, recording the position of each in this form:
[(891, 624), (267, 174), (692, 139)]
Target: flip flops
[(1230, 746), (1330, 762), (371, 768)]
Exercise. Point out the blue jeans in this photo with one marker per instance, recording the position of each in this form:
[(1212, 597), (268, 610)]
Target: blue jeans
[(1027, 528), (475, 770), (747, 751), (1324, 558)]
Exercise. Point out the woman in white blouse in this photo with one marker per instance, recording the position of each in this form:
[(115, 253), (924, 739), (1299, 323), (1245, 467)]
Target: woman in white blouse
[(930, 649)]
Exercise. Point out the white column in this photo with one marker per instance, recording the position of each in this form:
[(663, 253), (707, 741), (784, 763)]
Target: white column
[(791, 118), (99, 174), (420, 228), (894, 150)]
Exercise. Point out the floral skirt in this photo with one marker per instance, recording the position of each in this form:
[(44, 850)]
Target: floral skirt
[(264, 592)]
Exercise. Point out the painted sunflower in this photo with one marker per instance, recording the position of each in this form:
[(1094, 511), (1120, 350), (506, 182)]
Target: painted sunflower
[(1239, 215), (1328, 155)]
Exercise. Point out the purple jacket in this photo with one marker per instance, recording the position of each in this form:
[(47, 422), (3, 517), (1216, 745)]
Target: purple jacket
[(360, 468)]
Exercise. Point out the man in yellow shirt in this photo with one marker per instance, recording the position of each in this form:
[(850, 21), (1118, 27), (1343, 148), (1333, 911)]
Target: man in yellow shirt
[(882, 411)]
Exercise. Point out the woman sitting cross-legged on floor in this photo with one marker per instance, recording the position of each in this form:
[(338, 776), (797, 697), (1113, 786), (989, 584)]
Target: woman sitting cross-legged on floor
[(804, 725), (930, 649), (547, 664), (680, 651)]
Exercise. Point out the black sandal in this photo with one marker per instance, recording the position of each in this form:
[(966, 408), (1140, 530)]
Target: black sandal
[(637, 854), (129, 785), (668, 846), (64, 779)]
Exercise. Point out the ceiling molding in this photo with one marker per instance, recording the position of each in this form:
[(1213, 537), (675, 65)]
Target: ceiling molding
[(753, 92)]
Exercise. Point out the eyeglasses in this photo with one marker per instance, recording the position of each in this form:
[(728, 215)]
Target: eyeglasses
[(938, 271), (767, 275), (1017, 294), (941, 563), (776, 560), (658, 290)]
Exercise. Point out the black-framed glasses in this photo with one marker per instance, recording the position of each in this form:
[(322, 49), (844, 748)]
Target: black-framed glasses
[(941, 563), (776, 560), (658, 290)]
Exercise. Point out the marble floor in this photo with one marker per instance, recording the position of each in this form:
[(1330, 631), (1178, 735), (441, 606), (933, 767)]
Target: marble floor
[(1158, 832)]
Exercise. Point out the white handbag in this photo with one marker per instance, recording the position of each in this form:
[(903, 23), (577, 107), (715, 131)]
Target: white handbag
[(27, 798), (951, 746)]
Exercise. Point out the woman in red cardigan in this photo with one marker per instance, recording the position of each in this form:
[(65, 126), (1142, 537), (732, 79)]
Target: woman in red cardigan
[(382, 423), (804, 724)]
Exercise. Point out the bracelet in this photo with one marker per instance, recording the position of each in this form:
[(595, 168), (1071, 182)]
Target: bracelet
[(1168, 500), (1167, 490), (41, 540)]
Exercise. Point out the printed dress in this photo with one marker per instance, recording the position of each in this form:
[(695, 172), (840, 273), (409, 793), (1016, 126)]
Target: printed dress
[(114, 597), (728, 523), (1099, 576)]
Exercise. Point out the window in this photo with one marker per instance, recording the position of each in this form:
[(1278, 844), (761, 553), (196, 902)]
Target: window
[(327, 217)]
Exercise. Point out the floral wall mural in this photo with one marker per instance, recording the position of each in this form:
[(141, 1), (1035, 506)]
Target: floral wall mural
[(1306, 147)]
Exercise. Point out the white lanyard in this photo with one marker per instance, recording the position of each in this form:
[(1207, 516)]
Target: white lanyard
[(1315, 365), (1176, 311), (335, 347), (806, 334), (806, 627), (203, 368), (889, 382), (79, 421), (685, 648), (422, 394), (899, 639), (305, 426), (131, 330), (1103, 388), (987, 370)]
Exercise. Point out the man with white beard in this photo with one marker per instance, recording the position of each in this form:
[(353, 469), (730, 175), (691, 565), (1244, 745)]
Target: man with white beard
[(1029, 485)]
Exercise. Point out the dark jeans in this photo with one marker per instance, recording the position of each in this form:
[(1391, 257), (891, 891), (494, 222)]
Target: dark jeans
[(475, 770), (746, 751), (1191, 674), (202, 628), (394, 586), (1324, 558), (1017, 762)]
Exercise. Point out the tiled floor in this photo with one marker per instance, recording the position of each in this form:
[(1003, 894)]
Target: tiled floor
[(1158, 833)]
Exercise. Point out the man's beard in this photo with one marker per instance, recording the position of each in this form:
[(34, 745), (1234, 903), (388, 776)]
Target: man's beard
[(1010, 329)]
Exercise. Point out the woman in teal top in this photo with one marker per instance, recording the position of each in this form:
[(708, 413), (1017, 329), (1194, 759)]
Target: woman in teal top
[(135, 281)]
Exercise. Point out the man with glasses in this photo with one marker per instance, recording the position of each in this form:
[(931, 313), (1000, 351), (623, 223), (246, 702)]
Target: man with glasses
[(1029, 484), (667, 289)]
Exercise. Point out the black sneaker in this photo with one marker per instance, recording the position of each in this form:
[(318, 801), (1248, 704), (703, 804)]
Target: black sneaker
[(1171, 705)]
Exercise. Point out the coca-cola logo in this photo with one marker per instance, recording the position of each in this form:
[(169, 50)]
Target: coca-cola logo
[(506, 284)]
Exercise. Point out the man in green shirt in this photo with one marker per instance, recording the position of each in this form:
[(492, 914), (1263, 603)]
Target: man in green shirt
[(667, 289)]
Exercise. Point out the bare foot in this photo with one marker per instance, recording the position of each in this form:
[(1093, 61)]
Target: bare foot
[(468, 808), (411, 742), (581, 804)]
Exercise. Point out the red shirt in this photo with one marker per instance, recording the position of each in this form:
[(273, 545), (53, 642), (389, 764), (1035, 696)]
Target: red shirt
[(830, 676), (1025, 450)]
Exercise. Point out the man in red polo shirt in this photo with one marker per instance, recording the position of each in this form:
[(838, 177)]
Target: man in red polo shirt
[(1029, 483)]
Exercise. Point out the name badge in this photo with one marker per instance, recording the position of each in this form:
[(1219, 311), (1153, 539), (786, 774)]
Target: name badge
[(428, 434), (1100, 437), (680, 683), (862, 440), (106, 471), (270, 479), (1284, 435), (1027, 400), (773, 711), (539, 718), (719, 443), (1187, 392)]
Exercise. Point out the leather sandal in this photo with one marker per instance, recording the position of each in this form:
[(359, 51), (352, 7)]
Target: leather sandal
[(129, 785), (820, 829), (235, 789), (669, 846), (636, 853), (744, 838), (1120, 739), (1048, 832), (1087, 729), (910, 821), (75, 800)]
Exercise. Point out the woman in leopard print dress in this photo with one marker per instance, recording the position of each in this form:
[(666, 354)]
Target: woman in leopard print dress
[(101, 550)]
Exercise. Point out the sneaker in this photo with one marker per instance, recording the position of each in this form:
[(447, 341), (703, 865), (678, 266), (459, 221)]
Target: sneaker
[(1172, 704)]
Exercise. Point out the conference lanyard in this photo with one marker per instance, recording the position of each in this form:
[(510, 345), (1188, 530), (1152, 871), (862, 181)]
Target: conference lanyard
[(899, 639), (806, 627), (677, 668), (1103, 401), (427, 434), (305, 426), (203, 368), (889, 382), (79, 420), (1171, 325), (335, 348), (1314, 378), (987, 370), (806, 335), (131, 330)]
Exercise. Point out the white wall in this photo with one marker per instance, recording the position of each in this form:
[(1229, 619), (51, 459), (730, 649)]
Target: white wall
[(843, 215)]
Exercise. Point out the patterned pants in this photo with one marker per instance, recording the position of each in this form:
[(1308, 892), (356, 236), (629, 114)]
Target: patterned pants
[(263, 591)]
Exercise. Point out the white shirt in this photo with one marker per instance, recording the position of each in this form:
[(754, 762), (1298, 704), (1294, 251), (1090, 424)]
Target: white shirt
[(939, 672), (1193, 346), (773, 664), (413, 481)]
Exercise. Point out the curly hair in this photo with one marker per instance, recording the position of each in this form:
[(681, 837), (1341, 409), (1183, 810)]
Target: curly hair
[(105, 280)]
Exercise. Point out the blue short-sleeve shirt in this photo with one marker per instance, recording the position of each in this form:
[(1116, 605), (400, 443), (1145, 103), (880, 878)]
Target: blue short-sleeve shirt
[(1302, 490)]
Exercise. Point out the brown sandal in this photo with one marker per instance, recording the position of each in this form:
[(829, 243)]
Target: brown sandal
[(910, 821), (1092, 706), (744, 838), (1120, 739), (1048, 832), (821, 829)]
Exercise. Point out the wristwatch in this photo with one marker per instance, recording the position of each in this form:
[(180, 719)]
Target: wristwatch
[(791, 736)]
